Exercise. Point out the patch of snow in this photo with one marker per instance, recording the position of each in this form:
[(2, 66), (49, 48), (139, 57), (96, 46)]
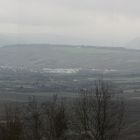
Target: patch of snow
[(60, 70)]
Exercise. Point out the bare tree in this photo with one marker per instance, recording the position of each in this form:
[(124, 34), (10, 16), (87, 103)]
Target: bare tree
[(99, 113), (32, 120), (56, 119), (11, 127)]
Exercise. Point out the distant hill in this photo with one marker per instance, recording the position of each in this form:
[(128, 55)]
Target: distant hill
[(133, 44), (39, 56)]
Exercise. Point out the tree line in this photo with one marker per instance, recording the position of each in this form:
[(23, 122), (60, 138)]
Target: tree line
[(93, 114)]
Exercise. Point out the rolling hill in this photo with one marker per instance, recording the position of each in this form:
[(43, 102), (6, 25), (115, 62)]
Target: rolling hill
[(39, 56)]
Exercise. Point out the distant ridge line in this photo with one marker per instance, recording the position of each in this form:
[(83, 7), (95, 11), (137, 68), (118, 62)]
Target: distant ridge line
[(64, 45)]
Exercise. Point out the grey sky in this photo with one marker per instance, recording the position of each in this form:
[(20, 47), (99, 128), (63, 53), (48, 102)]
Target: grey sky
[(103, 22)]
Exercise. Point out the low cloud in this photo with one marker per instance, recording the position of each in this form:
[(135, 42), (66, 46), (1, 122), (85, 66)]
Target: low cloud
[(103, 22)]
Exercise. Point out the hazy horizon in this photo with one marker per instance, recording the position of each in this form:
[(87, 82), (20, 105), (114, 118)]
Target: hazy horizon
[(105, 23)]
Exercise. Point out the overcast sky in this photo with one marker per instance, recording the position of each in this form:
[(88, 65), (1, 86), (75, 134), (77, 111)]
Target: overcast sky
[(97, 22)]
